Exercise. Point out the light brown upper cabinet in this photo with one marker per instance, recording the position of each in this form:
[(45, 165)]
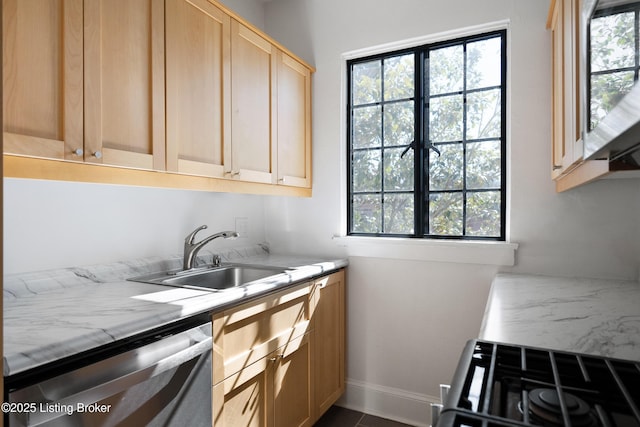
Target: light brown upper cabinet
[(198, 88), (253, 87), (569, 169), (293, 122), (563, 21), (96, 94), (42, 78), (124, 114), (271, 112), (183, 87)]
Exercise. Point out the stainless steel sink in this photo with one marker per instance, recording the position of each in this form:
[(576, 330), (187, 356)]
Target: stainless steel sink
[(214, 278)]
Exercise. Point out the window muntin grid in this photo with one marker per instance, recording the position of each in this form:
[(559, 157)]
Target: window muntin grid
[(451, 182)]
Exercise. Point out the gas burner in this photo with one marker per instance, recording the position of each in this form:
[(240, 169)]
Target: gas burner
[(509, 385), (544, 406)]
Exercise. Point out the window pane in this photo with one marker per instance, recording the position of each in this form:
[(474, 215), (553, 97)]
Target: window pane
[(367, 124), (366, 81), (366, 171), (398, 123), (606, 91), (445, 119), (366, 214), (484, 63), (445, 171), (446, 70), (398, 77), (445, 214), (612, 42), (483, 114), (398, 172), (483, 214), (459, 142), (398, 213), (483, 165)]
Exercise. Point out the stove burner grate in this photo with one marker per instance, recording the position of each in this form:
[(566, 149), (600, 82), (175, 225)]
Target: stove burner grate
[(512, 385)]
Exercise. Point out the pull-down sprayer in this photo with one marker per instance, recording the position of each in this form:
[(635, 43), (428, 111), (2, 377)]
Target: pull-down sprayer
[(191, 249)]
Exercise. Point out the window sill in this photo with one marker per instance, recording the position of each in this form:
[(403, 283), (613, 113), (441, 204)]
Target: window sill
[(465, 252)]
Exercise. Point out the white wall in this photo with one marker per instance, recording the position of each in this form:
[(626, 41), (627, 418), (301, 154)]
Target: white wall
[(250, 10), (53, 224), (408, 320)]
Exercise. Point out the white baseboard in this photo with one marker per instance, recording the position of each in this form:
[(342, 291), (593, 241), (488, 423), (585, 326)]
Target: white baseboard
[(388, 402)]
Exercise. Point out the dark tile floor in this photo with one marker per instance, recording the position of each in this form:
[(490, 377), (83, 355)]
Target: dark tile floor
[(342, 417)]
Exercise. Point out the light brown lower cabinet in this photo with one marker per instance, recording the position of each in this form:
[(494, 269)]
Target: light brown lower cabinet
[(279, 361), (274, 391), (329, 333)]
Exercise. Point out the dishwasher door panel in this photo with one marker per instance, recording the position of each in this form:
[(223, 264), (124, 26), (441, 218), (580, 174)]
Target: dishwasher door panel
[(165, 383)]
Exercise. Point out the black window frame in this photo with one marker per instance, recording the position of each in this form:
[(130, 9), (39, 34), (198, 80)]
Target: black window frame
[(614, 10), (421, 149)]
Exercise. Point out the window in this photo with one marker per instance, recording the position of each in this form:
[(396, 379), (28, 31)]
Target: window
[(614, 58), (426, 141)]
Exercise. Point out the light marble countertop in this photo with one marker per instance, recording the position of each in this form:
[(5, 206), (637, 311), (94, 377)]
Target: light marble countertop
[(53, 314), (599, 317)]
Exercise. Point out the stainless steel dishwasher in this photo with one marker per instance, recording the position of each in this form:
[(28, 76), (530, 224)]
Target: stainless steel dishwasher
[(159, 380)]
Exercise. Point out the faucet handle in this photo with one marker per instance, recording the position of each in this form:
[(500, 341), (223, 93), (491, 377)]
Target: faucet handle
[(216, 260), (189, 239)]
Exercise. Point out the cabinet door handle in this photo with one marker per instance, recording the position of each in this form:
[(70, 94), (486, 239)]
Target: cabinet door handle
[(97, 155), (78, 152)]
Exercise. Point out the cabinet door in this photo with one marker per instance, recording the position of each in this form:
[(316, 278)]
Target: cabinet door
[(253, 65), (328, 327), (274, 391), (294, 122), (42, 78), (124, 83), (292, 405), (573, 151), (557, 78), (198, 87), (242, 400), (566, 109)]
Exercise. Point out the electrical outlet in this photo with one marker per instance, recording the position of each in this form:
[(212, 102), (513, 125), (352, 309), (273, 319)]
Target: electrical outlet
[(242, 227)]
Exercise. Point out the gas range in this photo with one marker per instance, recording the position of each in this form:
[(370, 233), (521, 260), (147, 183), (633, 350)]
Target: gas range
[(499, 384)]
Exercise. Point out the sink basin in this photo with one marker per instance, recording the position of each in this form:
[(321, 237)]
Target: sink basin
[(215, 278)]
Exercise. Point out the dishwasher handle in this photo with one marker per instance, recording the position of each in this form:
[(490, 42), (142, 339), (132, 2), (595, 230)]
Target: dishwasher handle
[(137, 366)]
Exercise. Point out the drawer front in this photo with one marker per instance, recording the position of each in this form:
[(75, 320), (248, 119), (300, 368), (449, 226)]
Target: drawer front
[(245, 334)]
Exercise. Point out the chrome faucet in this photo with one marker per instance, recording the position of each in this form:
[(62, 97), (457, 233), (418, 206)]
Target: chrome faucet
[(191, 249)]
